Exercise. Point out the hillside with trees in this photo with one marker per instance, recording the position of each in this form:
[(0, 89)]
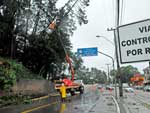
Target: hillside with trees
[(25, 37)]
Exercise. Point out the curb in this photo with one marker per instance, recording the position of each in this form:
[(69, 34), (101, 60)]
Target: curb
[(36, 102), (40, 98), (46, 96), (39, 107), (117, 105)]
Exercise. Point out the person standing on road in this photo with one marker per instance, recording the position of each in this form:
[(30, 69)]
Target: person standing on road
[(63, 92)]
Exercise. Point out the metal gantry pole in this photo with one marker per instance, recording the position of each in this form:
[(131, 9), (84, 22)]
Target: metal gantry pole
[(115, 39), (108, 73), (113, 69), (98, 36), (111, 58)]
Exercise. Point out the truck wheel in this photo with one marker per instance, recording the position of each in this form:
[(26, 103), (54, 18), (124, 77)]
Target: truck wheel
[(81, 90), (72, 93)]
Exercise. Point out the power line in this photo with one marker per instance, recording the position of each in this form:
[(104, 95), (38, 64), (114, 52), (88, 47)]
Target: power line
[(121, 11), (63, 16)]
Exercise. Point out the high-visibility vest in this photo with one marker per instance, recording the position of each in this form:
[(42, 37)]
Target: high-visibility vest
[(63, 91)]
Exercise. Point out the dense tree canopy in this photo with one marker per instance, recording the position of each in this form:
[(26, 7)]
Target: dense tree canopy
[(92, 75), (126, 73), (24, 35)]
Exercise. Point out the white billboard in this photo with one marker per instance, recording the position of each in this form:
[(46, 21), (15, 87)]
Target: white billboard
[(134, 41)]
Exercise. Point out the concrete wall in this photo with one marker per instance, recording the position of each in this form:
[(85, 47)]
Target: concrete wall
[(33, 87)]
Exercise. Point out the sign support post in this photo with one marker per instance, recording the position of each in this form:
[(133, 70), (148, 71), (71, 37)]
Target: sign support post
[(117, 57), (113, 69)]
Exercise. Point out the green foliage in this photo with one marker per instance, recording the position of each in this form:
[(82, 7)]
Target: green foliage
[(41, 52), (14, 100), (7, 77), (77, 61), (27, 101), (93, 76), (7, 22), (126, 73), (113, 74), (10, 71), (25, 37)]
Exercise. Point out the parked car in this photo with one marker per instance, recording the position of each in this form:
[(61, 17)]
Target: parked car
[(99, 86), (109, 88), (129, 89), (138, 87), (125, 85), (80, 82), (146, 88)]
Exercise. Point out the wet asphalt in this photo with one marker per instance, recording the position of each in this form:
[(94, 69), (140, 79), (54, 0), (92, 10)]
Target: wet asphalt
[(136, 102), (51, 105), (92, 101)]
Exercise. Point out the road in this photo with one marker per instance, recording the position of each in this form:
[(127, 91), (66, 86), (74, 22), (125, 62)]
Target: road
[(137, 102), (91, 101)]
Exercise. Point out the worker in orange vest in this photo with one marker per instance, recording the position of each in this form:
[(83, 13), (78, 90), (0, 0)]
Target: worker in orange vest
[(63, 92)]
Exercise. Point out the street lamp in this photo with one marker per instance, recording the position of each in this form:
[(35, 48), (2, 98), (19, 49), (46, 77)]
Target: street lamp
[(99, 36), (109, 57), (108, 73)]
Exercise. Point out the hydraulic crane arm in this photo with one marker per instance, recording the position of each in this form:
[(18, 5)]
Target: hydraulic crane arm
[(53, 25), (70, 66)]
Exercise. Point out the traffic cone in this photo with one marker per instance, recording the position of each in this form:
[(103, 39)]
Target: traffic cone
[(110, 90)]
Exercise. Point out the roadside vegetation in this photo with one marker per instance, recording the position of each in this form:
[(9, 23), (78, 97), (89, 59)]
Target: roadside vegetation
[(126, 73), (25, 37), (11, 71), (28, 49), (14, 100)]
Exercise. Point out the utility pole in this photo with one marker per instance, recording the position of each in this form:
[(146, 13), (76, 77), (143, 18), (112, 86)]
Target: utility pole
[(56, 21), (54, 25), (116, 50), (113, 69), (118, 65), (108, 73)]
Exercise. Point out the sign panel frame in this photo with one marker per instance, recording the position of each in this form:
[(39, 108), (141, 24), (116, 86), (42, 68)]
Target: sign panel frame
[(124, 60), (85, 52)]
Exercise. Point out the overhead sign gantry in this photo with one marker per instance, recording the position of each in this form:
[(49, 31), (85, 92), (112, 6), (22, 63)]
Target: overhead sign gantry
[(93, 51)]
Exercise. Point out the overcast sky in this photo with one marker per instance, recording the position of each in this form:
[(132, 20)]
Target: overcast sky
[(101, 15)]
